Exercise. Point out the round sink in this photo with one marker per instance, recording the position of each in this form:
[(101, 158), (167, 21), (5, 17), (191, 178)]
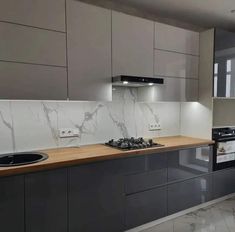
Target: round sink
[(18, 159)]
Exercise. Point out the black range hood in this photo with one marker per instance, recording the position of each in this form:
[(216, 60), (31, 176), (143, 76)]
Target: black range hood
[(136, 81)]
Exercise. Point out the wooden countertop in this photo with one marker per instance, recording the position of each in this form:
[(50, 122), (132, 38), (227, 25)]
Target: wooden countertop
[(62, 157)]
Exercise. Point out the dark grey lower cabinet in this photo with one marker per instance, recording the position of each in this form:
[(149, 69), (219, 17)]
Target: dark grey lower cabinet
[(189, 193), (146, 206), (96, 199), (46, 201), (12, 204), (223, 182)]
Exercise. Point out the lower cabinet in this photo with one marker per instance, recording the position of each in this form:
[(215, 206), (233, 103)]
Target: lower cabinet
[(223, 182), (96, 199), (12, 204), (111, 196), (46, 201), (188, 163), (189, 193), (145, 206)]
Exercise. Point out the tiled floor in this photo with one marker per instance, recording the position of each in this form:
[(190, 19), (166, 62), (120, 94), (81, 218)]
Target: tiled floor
[(216, 218)]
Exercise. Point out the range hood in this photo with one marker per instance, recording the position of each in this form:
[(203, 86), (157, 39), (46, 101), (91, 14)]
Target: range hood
[(136, 81)]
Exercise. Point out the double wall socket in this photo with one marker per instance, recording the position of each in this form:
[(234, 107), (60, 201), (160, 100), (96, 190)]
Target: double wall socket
[(154, 126), (68, 132)]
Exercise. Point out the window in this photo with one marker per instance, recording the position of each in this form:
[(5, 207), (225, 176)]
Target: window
[(216, 68), (228, 78)]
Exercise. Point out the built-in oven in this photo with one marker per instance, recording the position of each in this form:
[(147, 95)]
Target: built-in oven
[(224, 148)]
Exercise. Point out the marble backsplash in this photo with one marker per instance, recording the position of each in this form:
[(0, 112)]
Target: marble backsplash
[(32, 125)]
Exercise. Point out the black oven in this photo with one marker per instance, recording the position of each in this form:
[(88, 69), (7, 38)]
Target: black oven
[(224, 148)]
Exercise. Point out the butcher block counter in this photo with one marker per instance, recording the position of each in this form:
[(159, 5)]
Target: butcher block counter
[(62, 157)]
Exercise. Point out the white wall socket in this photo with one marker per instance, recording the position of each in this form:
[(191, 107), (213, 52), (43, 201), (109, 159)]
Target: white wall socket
[(68, 133), (154, 126)]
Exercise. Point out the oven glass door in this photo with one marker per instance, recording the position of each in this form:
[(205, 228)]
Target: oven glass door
[(225, 151)]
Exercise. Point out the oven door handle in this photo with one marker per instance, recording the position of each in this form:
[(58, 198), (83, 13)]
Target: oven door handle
[(225, 139)]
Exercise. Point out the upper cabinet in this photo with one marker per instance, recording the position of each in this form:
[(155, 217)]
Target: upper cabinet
[(38, 13), (68, 49), (132, 45), (89, 52), (32, 45), (176, 59), (176, 39), (172, 64), (224, 64), (33, 50)]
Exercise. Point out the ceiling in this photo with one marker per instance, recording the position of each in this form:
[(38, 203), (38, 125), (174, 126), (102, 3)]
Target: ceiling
[(203, 13)]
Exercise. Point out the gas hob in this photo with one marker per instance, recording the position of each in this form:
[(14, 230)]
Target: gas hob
[(132, 143)]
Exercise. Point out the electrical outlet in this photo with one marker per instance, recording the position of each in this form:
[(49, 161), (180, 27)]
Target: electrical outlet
[(154, 126), (68, 133)]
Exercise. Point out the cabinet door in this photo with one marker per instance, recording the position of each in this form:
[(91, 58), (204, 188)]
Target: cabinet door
[(132, 45), (223, 183), (12, 204), (32, 45), (27, 81), (38, 13), (176, 39), (46, 201), (154, 175), (188, 163), (171, 64), (173, 89), (89, 52), (189, 193), (96, 199), (145, 207)]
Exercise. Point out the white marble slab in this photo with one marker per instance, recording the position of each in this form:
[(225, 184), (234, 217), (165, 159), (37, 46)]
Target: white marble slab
[(33, 125)]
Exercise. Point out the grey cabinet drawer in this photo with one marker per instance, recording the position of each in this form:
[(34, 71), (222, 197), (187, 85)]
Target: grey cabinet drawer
[(146, 206), (26, 81), (188, 163), (12, 204), (223, 183), (144, 181), (32, 45), (189, 193), (157, 161), (153, 174), (119, 166), (38, 13)]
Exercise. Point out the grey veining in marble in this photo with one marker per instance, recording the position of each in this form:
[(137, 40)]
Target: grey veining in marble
[(7, 135), (33, 125), (216, 218)]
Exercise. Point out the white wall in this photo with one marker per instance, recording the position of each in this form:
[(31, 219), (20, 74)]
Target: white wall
[(224, 112), (195, 120)]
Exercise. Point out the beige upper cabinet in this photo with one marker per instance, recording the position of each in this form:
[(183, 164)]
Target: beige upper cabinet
[(132, 45), (173, 90), (172, 64), (89, 52), (48, 14), (176, 59), (176, 39), (32, 45)]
